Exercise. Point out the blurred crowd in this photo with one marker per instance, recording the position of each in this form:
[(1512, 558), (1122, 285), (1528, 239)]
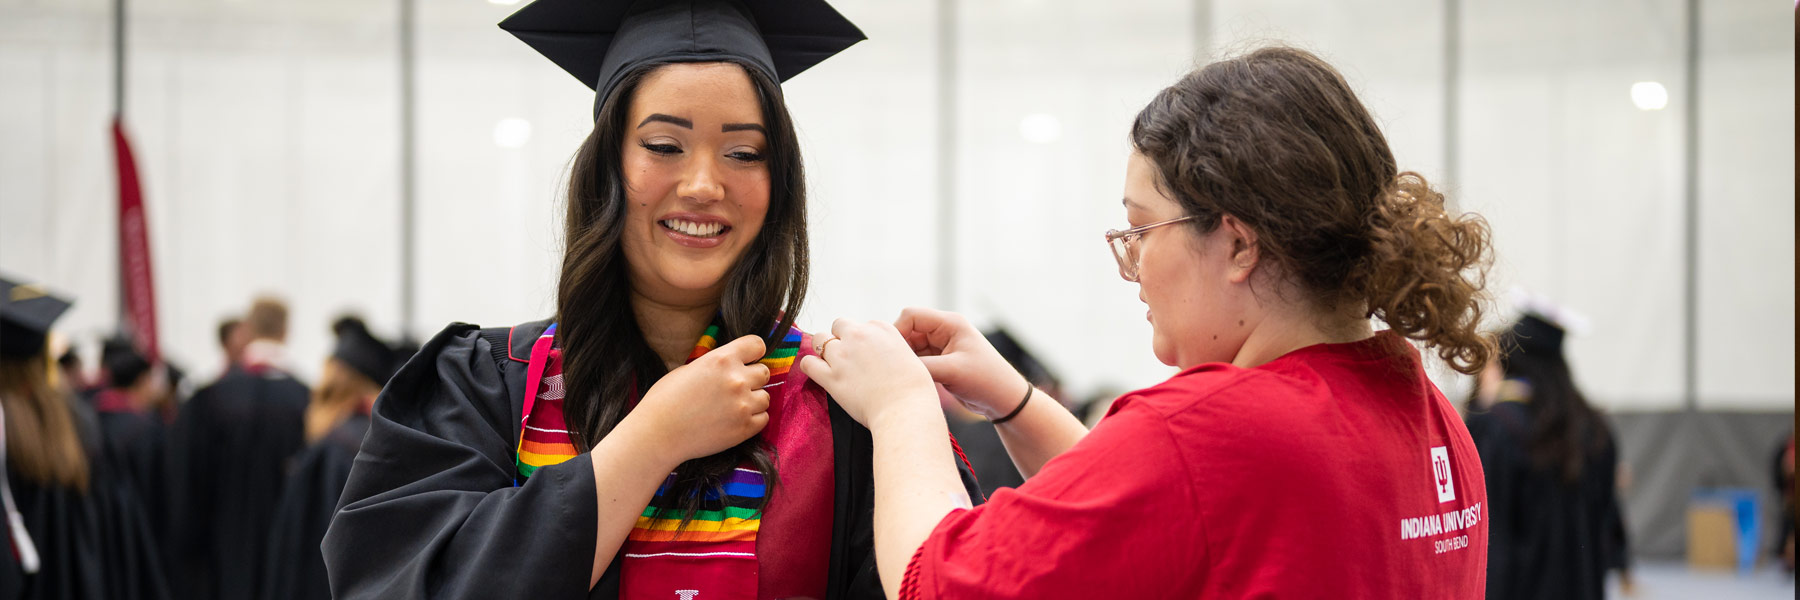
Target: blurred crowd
[(125, 480)]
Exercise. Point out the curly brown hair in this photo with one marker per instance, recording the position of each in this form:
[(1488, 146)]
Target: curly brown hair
[(1277, 139)]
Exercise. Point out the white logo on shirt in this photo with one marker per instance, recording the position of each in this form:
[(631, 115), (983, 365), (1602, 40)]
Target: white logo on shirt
[(687, 594), (1440, 470)]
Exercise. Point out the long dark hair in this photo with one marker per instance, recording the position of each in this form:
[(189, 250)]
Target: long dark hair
[(1277, 139), (43, 443), (606, 362), (1565, 429)]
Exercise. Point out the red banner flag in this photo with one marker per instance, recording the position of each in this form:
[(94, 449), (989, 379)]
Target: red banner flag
[(137, 287)]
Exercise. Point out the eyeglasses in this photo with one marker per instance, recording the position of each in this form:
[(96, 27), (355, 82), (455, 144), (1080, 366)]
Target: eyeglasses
[(1125, 247)]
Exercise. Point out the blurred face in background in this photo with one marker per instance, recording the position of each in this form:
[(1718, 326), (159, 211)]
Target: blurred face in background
[(235, 342), (696, 178)]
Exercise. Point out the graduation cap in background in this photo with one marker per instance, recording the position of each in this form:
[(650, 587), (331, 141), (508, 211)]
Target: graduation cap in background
[(1534, 335), (365, 353), (1016, 355), (599, 41), (26, 313)]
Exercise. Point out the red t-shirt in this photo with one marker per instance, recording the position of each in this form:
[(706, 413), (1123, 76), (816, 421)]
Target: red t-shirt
[(1336, 471)]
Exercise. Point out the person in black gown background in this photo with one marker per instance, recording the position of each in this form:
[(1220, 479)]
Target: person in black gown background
[(228, 453), (1551, 467), (337, 418), (84, 535), (133, 432)]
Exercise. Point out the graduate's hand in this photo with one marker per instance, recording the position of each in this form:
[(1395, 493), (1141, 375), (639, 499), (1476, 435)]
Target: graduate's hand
[(869, 369), (709, 405), (961, 359)]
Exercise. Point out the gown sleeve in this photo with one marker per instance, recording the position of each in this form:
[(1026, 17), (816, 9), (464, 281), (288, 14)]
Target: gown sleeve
[(430, 509)]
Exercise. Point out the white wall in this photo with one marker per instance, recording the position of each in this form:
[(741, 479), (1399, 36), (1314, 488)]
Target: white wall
[(266, 132)]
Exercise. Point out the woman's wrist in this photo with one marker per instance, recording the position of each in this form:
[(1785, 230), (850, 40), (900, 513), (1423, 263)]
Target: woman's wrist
[(1000, 392), (1030, 390), (633, 440), (904, 412)]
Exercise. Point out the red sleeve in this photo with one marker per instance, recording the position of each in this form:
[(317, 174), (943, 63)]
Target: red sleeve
[(1120, 501)]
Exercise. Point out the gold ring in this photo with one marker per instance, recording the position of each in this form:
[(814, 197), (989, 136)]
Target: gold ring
[(827, 342)]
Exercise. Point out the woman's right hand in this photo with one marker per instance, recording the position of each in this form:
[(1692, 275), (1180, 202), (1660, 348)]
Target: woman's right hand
[(708, 405), (961, 359)]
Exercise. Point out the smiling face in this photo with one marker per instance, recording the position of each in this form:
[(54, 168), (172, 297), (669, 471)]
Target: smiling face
[(694, 161)]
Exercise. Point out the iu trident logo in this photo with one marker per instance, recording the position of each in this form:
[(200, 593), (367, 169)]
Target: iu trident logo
[(1440, 470), (687, 594)]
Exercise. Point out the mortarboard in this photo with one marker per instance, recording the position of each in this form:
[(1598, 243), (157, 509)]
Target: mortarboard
[(1535, 335), (600, 41), (1021, 359), (26, 313), (360, 350)]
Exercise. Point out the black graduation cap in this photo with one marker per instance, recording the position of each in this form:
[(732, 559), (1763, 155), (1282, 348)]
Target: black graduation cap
[(362, 351), (1535, 335), (1016, 355), (26, 312), (598, 41)]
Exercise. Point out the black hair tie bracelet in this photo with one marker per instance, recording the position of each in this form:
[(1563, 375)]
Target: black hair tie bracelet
[(1020, 408)]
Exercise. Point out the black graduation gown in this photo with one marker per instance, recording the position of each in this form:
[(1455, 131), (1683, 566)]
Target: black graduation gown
[(132, 446), (228, 455), (1547, 538), (64, 526), (981, 444), (294, 569), (92, 545), (431, 512)]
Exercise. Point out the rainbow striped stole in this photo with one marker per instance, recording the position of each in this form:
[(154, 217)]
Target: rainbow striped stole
[(725, 526), (731, 519), (716, 549), (778, 359), (543, 432)]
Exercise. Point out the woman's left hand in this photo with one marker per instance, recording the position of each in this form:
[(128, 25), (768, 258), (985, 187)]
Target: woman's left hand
[(869, 369)]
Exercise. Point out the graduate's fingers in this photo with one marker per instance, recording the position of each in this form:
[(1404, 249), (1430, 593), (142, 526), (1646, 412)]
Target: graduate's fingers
[(759, 402), (759, 375), (744, 350), (758, 421)]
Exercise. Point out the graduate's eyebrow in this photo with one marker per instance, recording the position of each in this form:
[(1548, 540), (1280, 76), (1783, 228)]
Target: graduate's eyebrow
[(1129, 204), (672, 120), (730, 127)]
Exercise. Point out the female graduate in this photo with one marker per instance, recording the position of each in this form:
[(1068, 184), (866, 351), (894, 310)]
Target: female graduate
[(1552, 475), (653, 441), (74, 528), (337, 419), (1298, 453)]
